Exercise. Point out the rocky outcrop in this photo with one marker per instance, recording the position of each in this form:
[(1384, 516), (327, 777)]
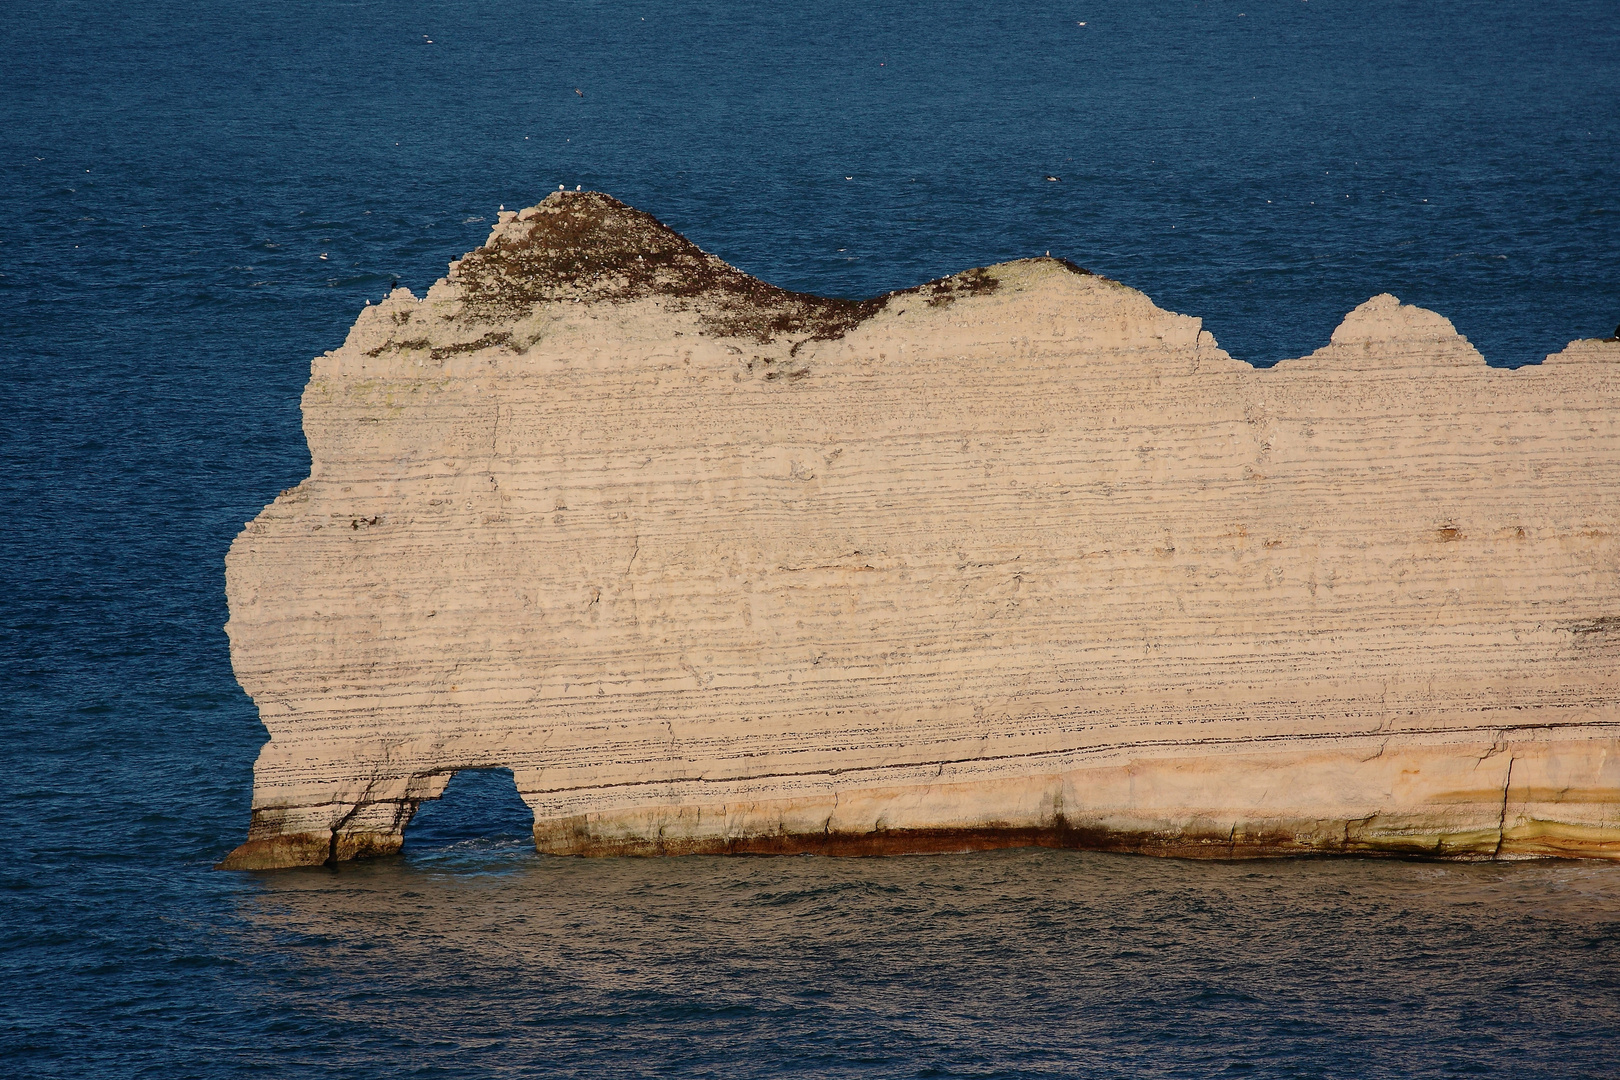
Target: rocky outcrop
[(1015, 557)]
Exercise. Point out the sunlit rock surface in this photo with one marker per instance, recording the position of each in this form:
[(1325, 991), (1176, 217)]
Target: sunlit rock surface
[(1015, 557)]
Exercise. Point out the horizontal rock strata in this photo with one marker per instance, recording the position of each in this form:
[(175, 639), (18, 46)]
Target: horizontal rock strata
[(1014, 557)]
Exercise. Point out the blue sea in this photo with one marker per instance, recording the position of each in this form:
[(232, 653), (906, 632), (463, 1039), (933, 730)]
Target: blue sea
[(196, 198)]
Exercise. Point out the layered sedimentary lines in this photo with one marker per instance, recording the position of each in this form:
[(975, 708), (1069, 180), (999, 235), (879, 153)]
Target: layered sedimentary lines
[(1013, 557)]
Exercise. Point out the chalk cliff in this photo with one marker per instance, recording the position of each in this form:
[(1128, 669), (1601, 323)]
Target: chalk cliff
[(1014, 557)]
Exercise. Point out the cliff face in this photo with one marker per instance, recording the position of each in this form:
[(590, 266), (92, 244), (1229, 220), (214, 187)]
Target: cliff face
[(1014, 557)]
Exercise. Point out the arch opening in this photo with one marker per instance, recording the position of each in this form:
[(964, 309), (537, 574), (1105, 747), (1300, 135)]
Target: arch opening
[(480, 810)]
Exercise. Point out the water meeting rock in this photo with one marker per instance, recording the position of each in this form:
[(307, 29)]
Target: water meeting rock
[(1015, 557)]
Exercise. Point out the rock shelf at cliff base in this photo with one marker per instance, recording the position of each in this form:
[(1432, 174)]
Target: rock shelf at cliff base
[(1014, 557)]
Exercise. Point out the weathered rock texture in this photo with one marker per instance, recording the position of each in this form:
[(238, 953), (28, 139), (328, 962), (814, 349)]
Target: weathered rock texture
[(1015, 557)]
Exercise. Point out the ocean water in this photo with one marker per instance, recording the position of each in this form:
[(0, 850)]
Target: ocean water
[(197, 198)]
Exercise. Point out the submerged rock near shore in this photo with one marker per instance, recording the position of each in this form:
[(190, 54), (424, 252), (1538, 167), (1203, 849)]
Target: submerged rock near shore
[(1014, 557)]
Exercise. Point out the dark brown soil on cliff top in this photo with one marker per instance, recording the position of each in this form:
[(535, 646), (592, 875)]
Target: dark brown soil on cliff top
[(589, 247)]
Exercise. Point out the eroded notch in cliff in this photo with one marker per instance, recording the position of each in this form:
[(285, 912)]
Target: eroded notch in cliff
[(479, 810)]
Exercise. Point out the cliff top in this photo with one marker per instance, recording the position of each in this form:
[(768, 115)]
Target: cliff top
[(588, 246)]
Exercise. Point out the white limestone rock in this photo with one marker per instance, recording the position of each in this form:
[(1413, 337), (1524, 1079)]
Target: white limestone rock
[(1015, 557)]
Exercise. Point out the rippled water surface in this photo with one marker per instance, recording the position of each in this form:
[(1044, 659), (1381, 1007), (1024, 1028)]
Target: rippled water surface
[(195, 199)]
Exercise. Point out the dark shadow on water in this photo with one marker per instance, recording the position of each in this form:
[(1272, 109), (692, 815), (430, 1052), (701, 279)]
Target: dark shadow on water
[(479, 817), (1028, 963)]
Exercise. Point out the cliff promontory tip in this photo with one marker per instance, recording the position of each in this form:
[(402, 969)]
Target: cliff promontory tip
[(1014, 557)]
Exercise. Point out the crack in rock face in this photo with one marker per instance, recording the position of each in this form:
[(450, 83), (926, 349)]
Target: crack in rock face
[(1011, 557)]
